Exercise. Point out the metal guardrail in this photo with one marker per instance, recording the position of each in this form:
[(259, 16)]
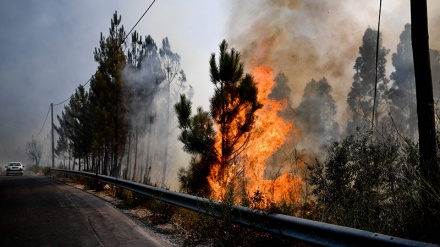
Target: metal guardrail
[(292, 227)]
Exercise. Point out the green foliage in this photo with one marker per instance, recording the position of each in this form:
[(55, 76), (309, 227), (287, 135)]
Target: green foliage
[(107, 95), (162, 212), (197, 228), (370, 184), (193, 179), (75, 129), (198, 137), (93, 125)]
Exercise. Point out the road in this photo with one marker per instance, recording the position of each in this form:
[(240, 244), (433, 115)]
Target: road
[(39, 211)]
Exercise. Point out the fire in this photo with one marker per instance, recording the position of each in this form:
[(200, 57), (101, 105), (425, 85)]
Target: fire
[(269, 133)]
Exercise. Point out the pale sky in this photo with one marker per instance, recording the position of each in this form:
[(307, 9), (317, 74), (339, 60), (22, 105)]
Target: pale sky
[(47, 46)]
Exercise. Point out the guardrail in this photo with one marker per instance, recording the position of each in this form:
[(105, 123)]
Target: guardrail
[(292, 227)]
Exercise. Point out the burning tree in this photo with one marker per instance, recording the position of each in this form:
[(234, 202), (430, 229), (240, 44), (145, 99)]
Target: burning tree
[(232, 143), (233, 108)]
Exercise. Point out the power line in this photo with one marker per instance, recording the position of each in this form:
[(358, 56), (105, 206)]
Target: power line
[(377, 58), (44, 122), (138, 21)]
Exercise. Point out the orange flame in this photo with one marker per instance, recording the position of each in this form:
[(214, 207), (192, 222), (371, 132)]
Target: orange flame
[(269, 133)]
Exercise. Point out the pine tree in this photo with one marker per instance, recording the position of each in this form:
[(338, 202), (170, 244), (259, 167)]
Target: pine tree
[(198, 136), (75, 130), (81, 129), (232, 110), (107, 89), (233, 104)]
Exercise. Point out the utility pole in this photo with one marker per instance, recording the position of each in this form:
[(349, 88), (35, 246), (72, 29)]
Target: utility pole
[(429, 168), (53, 145)]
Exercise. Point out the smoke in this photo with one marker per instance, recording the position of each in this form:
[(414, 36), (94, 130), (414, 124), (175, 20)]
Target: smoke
[(316, 39), (151, 89), (304, 40), (311, 39)]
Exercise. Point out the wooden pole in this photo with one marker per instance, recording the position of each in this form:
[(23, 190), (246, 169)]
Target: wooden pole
[(429, 168), (53, 144)]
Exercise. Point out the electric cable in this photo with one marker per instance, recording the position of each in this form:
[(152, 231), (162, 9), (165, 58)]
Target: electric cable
[(377, 56), (44, 122)]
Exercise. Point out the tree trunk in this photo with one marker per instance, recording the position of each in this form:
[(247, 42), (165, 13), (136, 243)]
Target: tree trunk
[(128, 170), (167, 133), (106, 160), (136, 142)]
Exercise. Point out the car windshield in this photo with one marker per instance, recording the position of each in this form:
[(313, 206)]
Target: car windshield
[(14, 164)]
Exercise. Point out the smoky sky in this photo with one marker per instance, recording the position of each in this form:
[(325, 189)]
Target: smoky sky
[(46, 50), (313, 39)]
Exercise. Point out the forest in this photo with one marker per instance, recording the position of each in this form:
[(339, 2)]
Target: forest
[(254, 146)]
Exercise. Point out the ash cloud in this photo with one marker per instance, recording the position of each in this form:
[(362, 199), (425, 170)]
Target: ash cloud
[(315, 39), (303, 39)]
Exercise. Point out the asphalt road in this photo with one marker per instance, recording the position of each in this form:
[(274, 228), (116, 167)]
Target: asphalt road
[(39, 211)]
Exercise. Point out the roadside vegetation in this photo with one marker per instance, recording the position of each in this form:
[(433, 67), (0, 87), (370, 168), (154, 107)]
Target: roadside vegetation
[(184, 227), (42, 170)]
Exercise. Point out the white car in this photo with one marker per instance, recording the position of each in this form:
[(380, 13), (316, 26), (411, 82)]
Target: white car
[(14, 168)]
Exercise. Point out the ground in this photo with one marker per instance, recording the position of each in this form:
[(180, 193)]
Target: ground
[(167, 232)]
